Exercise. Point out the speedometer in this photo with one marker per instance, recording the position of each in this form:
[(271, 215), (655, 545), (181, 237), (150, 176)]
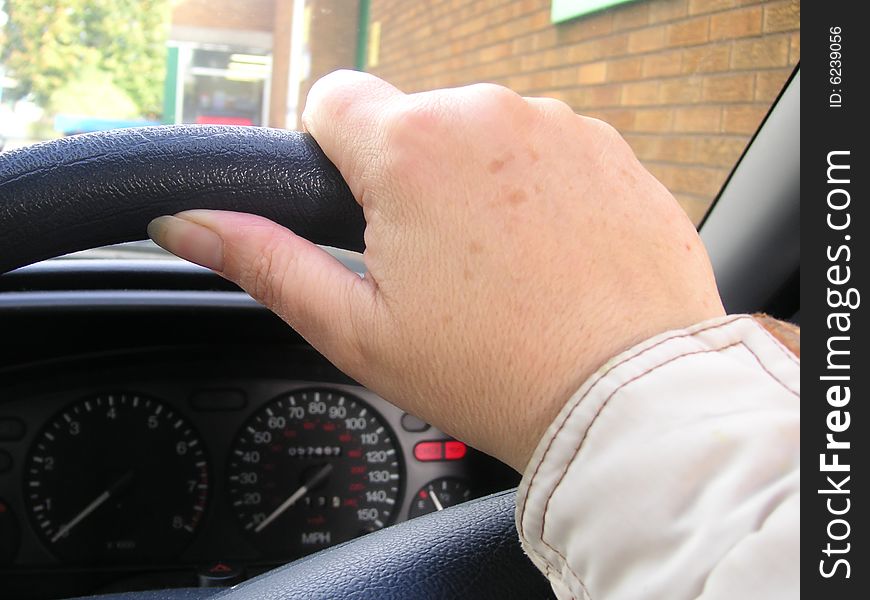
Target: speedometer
[(313, 468)]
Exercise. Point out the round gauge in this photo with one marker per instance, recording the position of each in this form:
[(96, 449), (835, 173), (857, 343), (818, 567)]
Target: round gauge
[(311, 469), (438, 494), (116, 478)]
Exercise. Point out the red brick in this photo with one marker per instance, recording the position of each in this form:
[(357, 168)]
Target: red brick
[(704, 181), (642, 93), (667, 10), (707, 59), (769, 83), (495, 52), (742, 119), (701, 119), (719, 151), (688, 33), (592, 73), (603, 95), (782, 16), (760, 53), (631, 16), (729, 88), (735, 24), (685, 90), (794, 52), (565, 77), (613, 45), (709, 6), (662, 64), (653, 120), (644, 40), (627, 69), (579, 30), (663, 149)]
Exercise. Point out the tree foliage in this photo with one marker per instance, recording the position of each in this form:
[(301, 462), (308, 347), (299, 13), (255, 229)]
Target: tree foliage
[(48, 44)]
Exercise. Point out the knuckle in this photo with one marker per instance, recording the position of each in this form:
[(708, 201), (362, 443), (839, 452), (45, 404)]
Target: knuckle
[(411, 118), (602, 128), (492, 96), (556, 107)]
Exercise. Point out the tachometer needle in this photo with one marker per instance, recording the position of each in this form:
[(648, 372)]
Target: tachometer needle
[(435, 499), (295, 496), (94, 505)]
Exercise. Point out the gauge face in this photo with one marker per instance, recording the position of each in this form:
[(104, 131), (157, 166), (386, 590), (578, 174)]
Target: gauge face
[(117, 478), (438, 495), (312, 469)]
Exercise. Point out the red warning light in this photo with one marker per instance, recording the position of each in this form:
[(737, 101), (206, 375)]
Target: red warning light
[(428, 451), (454, 450), (220, 568)]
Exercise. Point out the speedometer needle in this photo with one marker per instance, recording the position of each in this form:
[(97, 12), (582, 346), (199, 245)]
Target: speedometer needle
[(94, 505), (295, 496)]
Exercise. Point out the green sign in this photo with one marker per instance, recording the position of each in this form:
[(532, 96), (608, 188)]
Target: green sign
[(563, 10)]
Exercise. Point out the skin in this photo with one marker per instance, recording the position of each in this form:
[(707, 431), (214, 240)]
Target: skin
[(512, 248)]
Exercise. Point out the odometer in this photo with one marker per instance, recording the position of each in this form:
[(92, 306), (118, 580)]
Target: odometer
[(117, 478), (311, 469)]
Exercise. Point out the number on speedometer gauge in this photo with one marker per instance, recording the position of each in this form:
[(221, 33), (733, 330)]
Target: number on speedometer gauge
[(311, 469)]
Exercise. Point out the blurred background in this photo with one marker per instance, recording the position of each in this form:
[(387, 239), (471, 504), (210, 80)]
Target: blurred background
[(686, 81)]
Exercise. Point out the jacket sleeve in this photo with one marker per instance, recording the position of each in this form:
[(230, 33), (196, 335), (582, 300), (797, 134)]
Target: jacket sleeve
[(673, 472)]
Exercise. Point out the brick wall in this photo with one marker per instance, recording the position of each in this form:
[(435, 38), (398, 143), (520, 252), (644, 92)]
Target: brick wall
[(686, 81), (255, 15), (333, 26)]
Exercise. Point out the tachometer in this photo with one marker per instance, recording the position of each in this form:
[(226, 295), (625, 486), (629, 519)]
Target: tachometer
[(311, 469), (117, 478)]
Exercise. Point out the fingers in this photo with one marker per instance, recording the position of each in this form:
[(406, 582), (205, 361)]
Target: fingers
[(326, 303), (343, 112)]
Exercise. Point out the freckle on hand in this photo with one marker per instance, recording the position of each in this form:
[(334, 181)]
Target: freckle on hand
[(517, 196), (498, 164)]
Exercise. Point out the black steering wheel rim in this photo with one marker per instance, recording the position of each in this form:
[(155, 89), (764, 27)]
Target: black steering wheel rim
[(103, 188)]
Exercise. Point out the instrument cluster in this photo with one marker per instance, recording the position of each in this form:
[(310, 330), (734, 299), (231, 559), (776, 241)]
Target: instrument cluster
[(168, 474)]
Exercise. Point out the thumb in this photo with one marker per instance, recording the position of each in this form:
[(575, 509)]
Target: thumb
[(328, 304)]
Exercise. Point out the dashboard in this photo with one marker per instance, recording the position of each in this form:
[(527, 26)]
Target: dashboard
[(150, 443)]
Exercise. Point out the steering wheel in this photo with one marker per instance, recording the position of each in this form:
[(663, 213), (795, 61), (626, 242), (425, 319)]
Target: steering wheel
[(103, 188)]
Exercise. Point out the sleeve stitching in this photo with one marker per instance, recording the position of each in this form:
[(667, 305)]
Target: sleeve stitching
[(589, 390), (583, 439), (788, 353), (768, 371)]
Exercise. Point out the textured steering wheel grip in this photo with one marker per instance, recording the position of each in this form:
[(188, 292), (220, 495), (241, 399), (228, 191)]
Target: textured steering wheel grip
[(466, 551), (95, 189)]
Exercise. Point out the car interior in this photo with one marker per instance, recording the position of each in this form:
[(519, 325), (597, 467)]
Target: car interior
[(164, 436)]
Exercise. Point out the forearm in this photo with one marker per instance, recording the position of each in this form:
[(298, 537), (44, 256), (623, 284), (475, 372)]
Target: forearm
[(673, 472)]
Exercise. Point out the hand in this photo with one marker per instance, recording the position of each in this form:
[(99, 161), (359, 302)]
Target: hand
[(512, 248)]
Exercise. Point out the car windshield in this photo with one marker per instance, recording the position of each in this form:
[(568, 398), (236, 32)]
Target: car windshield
[(687, 82)]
